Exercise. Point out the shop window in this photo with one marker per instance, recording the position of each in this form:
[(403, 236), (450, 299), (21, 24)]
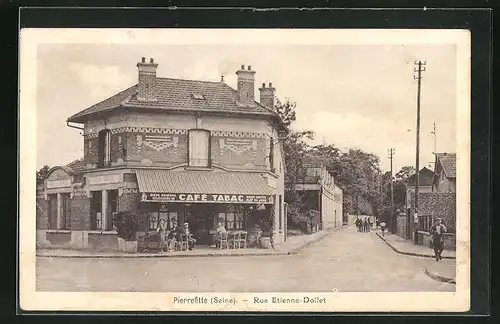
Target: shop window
[(95, 210), (199, 148), (153, 221), (104, 148), (168, 216), (112, 208), (65, 211), (52, 211), (233, 218)]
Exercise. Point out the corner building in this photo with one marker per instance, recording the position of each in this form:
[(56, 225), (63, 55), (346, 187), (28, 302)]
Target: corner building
[(185, 150)]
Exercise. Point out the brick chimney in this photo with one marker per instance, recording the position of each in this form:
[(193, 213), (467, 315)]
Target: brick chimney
[(267, 95), (246, 87), (147, 80)]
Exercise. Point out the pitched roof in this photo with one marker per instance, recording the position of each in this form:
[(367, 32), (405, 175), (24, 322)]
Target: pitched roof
[(77, 166), (449, 163), (179, 95), (425, 178)]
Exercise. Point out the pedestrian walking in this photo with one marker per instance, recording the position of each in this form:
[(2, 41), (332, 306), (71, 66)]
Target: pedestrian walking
[(358, 224), (365, 226), (437, 231), (382, 227)]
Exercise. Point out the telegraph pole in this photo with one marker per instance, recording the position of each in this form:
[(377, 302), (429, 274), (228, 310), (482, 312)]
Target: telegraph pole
[(419, 68), (392, 217)]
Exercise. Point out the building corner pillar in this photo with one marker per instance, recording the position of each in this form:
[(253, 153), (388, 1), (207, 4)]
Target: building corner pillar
[(104, 210)]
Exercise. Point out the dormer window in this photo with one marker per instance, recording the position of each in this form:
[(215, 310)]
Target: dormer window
[(198, 96)]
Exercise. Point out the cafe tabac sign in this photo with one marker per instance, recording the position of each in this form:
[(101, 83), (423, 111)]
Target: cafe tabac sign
[(206, 198)]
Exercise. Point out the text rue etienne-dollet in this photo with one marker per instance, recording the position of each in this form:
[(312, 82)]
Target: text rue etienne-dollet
[(254, 300)]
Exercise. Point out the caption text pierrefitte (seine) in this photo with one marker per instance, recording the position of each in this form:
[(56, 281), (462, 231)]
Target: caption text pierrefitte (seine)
[(254, 300)]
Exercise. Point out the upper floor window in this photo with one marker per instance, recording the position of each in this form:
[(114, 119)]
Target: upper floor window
[(199, 148), (104, 147), (271, 155)]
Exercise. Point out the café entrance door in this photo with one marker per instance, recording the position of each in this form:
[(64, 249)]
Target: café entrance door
[(200, 218)]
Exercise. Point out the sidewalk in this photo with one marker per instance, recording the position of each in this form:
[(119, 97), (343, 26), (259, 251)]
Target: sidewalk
[(292, 246), (404, 246), (444, 271)]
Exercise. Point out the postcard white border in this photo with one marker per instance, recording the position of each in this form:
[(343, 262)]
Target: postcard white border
[(30, 299)]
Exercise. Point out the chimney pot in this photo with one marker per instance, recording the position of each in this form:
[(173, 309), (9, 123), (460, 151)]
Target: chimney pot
[(147, 80), (270, 84), (249, 68), (263, 85), (242, 67)]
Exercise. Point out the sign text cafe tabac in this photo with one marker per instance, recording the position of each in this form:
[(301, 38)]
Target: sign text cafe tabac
[(206, 198)]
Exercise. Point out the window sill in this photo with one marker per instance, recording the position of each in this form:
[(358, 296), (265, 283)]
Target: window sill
[(58, 231), (112, 232)]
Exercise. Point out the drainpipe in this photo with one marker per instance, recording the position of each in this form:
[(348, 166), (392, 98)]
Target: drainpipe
[(72, 126)]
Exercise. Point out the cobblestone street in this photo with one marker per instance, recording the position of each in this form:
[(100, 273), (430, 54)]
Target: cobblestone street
[(344, 260)]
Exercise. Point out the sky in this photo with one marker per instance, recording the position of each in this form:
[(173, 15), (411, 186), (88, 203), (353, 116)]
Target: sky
[(352, 96)]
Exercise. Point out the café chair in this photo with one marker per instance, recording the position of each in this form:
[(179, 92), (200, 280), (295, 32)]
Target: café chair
[(183, 244), (223, 244), (242, 242), (232, 241)]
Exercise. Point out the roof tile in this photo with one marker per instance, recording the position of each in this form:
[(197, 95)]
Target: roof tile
[(449, 163)]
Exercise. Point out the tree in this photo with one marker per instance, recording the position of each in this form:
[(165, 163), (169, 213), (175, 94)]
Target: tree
[(358, 175), (42, 174), (405, 173), (295, 150)]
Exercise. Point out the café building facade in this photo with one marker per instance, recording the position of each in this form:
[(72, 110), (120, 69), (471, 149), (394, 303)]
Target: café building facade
[(190, 151)]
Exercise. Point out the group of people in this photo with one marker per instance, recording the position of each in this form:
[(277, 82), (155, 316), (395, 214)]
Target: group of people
[(169, 240), (363, 225)]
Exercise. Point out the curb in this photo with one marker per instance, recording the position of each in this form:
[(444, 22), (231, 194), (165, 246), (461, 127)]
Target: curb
[(440, 278), (135, 256), (149, 256), (411, 253)]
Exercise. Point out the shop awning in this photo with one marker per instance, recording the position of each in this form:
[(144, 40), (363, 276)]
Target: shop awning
[(203, 187)]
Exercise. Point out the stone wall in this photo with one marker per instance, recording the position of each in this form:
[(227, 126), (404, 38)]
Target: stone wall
[(437, 204)]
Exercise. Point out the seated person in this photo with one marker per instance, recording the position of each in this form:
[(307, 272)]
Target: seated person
[(220, 229), (172, 237), (191, 240)]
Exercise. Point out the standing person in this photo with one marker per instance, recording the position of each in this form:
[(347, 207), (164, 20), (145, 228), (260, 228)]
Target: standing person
[(358, 225), (162, 227), (437, 231), (365, 226), (382, 227)]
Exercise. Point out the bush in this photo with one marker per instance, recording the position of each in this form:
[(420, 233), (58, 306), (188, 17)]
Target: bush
[(127, 225)]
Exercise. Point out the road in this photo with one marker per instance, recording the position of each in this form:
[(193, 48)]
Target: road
[(344, 260)]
